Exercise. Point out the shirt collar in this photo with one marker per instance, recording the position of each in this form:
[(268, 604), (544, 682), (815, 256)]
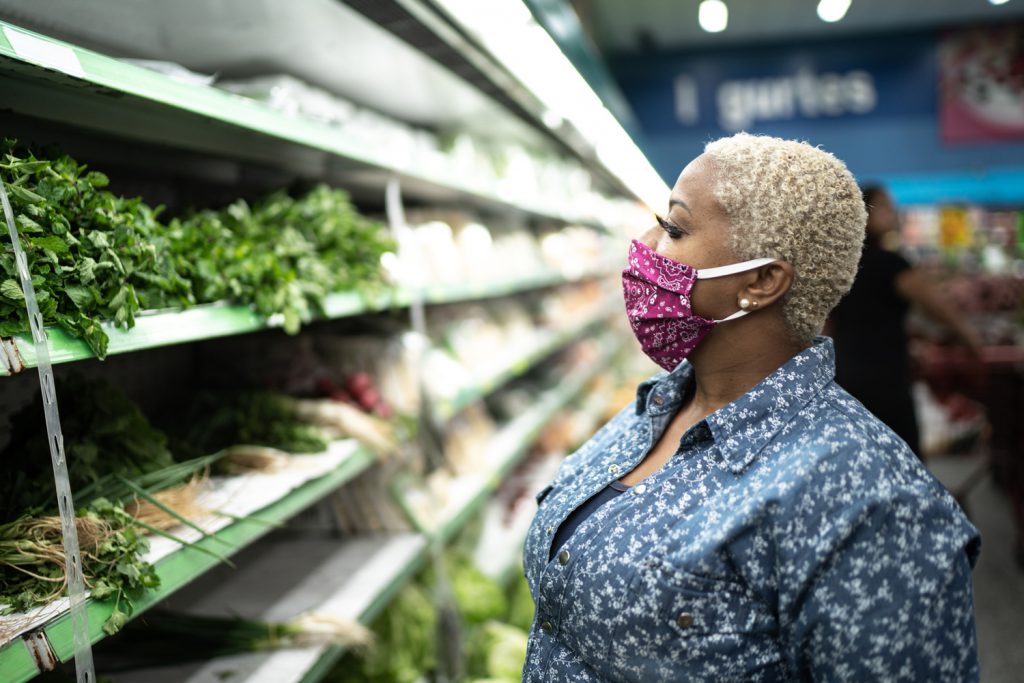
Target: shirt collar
[(742, 429), (664, 392)]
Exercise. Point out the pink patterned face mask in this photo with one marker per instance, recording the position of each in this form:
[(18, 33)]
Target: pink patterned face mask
[(657, 291)]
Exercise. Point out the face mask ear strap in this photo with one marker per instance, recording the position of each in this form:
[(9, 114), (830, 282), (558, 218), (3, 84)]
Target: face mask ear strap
[(732, 269), (737, 314)]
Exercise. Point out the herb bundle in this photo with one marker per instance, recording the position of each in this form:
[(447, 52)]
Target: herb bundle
[(281, 255), (105, 434), (218, 421), (32, 560), (95, 256), (92, 255)]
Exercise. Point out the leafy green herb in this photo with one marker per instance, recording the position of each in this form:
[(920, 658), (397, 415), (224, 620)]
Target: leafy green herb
[(217, 421), (105, 434), (95, 256), (32, 561), (92, 255), (282, 255)]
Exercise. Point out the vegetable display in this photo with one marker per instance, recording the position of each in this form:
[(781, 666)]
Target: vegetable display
[(282, 255), (171, 638), (95, 256), (409, 632), (217, 421), (406, 643)]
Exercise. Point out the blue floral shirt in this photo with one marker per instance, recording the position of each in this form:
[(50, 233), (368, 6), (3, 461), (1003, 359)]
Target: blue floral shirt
[(792, 536)]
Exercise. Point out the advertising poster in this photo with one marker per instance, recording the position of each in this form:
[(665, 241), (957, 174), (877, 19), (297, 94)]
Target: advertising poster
[(982, 84)]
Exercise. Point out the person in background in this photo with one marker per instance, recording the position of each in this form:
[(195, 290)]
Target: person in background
[(745, 519), (869, 324)]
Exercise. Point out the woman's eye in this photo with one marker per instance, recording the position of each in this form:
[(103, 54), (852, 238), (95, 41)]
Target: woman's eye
[(674, 231)]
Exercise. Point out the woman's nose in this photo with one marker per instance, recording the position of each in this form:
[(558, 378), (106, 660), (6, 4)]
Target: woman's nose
[(650, 237)]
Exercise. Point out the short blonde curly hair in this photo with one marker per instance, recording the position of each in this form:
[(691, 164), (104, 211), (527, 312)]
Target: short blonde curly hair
[(788, 200)]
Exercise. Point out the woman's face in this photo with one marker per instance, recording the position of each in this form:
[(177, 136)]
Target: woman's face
[(882, 216), (695, 231)]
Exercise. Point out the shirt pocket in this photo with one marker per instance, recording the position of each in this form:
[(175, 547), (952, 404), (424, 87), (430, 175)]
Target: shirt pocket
[(680, 622), (692, 606)]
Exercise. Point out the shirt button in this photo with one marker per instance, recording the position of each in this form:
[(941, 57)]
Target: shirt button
[(547, 627), (685, 620), (640, 489), (613, 468), (658, 400), (563, 558)]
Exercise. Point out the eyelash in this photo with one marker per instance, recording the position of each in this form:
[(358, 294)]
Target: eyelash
[(674, 231)]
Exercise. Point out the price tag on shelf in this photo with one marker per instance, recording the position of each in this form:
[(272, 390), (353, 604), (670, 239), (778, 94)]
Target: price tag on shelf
[(44, 53)]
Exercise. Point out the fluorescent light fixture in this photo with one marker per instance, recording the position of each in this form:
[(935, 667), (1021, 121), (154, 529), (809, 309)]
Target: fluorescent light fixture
[(998, 2), (832, 10), (510, 32), (713, 16)]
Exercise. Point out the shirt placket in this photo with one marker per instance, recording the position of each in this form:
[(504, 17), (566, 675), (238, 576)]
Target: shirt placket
[(554, 585)]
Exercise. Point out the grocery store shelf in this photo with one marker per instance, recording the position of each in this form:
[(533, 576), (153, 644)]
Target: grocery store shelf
[(209, 321), (353, 579), (184, 565), (46, 77), (513, 442), (545, 346)]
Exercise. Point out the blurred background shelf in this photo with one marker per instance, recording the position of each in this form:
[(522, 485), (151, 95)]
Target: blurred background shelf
[(511, 444)]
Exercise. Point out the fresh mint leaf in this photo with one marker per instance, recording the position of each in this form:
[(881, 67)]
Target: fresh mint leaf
[(12, 290)]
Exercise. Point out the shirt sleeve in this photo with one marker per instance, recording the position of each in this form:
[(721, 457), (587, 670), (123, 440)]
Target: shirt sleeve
[(886, 594)]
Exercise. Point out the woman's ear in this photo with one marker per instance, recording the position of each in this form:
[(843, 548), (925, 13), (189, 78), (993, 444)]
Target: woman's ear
[(767, 285)]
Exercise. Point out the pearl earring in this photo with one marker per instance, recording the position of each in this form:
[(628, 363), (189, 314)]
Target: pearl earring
[(744, 304)]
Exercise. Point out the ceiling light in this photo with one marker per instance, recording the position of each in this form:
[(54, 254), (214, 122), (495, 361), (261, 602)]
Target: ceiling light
[(832, 10), (998, 2), (518, 42), (713, 16)]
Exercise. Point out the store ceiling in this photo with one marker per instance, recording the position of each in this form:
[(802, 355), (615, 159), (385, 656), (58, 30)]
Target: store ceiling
[(645, 25)]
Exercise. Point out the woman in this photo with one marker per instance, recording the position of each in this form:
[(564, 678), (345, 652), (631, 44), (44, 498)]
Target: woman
[(746, 519), (872, 359)]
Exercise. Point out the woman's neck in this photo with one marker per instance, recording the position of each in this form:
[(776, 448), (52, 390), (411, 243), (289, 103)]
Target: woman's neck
[(735, 363)]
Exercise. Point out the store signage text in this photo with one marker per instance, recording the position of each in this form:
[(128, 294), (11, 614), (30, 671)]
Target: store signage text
[(741, 103)]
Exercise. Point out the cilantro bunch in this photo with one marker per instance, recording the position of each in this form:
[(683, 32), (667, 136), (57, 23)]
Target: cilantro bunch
[(113, 549)]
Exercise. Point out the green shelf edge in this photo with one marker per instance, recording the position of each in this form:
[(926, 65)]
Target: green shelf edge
[(184, 565), (222, 107), (520, 366), (211, 321), (16, 664)]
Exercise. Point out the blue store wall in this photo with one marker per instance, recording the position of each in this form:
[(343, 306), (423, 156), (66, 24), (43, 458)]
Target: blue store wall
[(872, 101)]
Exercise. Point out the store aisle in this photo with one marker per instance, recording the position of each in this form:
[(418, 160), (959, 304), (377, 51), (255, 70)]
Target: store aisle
[(998, 579)]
